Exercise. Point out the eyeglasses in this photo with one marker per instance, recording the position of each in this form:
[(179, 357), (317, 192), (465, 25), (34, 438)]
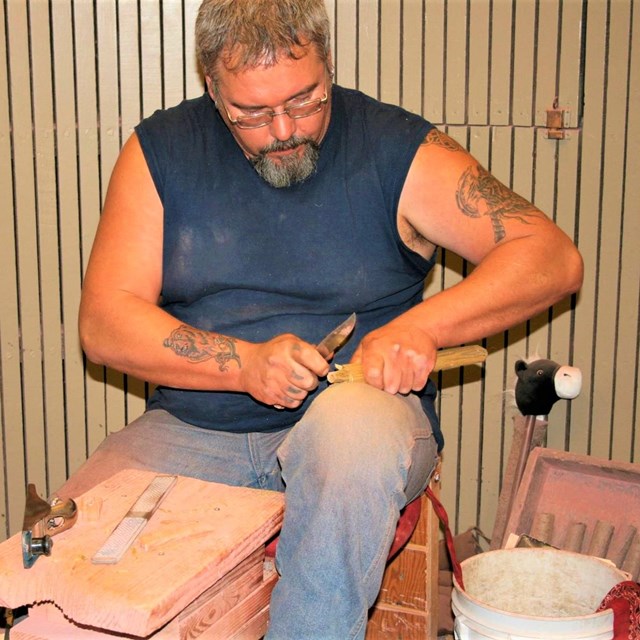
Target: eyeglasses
[(264, 118)]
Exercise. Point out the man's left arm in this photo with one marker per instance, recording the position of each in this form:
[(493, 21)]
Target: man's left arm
[(523, 263)]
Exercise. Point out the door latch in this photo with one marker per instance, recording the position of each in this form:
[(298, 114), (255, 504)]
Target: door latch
[(555, 121)]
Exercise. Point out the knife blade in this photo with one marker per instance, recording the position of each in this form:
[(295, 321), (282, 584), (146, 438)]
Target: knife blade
[(336, 338)]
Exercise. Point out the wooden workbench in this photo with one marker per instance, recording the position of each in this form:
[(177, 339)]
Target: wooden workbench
[(196, 570)]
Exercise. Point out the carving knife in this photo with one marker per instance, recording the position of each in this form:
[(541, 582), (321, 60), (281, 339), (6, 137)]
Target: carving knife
[(336, 338)]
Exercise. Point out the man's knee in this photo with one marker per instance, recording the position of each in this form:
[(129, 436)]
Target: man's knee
[(354, 410), (353, 431)]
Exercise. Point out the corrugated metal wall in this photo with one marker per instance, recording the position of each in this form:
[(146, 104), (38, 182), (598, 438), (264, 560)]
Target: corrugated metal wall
[(75, 76)]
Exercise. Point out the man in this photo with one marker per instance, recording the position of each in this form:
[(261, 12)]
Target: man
[(238, 229)]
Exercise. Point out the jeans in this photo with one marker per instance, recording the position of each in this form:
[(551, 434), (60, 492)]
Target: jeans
[(347, 468)]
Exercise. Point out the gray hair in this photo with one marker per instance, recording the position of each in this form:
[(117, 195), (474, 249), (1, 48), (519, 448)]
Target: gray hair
[(248, 33)]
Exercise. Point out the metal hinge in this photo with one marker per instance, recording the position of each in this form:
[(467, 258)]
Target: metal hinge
[(556, 121)]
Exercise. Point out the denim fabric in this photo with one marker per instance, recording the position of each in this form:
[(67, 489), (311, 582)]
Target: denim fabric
[(157, 441), (349, 466)]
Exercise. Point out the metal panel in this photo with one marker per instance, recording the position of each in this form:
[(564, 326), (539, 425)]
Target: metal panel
[(150, 57), (434, 56), (524, 43), (611, 192), (346, 42), (390, 47), (557, 165), (48, 249), (619, 286), (193, 79), (545, 86), (129, 66), (456, 60), (12, 473), (412, 62), (589, 230), (627, 407), (109, 141), (74, 31), (368, 46), (25, 217), (173, 53), (570, 59), (479, 50), (501, 39)]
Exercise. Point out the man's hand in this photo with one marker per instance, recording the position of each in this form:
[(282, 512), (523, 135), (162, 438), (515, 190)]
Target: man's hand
[(282, 371), (397, 358)]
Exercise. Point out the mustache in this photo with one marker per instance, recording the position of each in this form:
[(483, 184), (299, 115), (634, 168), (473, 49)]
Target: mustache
[(287, 145)]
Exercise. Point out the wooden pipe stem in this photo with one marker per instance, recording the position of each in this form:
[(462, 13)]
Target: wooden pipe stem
[(445, 359)]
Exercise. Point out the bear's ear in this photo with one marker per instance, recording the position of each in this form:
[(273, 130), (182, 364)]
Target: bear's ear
[(521, 365)]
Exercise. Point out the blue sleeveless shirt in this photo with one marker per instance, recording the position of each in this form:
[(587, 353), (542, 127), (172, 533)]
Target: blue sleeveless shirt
[(251, 261)]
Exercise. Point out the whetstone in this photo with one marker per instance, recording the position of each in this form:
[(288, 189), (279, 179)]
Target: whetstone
[(128, 529)]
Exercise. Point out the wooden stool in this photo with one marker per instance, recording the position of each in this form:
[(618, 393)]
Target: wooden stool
[(407, 606)]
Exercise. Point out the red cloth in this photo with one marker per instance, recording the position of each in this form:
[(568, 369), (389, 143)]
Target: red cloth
[(441, 512), (406, 525), (624, 599)]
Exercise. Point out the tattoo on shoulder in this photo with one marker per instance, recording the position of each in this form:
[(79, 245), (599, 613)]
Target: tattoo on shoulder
[(436, 137), (481, 194), (198, 346)]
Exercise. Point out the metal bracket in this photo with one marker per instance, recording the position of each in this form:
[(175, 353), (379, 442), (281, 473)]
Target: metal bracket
[(555, 121), (41, 521)]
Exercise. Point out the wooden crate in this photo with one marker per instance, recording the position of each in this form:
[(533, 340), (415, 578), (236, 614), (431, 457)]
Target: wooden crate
[(407, 606), (196, 570), (582, 504)]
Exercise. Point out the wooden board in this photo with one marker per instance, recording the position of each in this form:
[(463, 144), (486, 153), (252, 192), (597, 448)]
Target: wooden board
[(199, 533), (388, 621), (407, 605), (236, 608), (562, 490)]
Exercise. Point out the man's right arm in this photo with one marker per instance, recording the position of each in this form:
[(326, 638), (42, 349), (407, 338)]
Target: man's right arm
[(122, 326)]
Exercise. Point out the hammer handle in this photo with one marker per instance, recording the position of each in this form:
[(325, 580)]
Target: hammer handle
[(445, 359)]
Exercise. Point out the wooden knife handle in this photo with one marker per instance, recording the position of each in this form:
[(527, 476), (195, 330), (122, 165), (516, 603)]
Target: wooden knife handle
[(445, 359)]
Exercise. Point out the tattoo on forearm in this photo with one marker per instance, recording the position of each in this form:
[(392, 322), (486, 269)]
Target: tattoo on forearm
[(439, 139), (480, 194), (198, 346)]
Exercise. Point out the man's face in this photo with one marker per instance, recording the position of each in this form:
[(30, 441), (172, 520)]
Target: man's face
[(285, 151)]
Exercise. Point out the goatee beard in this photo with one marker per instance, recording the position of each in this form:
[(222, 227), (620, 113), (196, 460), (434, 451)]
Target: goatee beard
[(287, 170)]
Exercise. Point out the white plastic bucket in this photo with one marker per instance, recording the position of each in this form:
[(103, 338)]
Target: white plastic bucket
[(524, 594)]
